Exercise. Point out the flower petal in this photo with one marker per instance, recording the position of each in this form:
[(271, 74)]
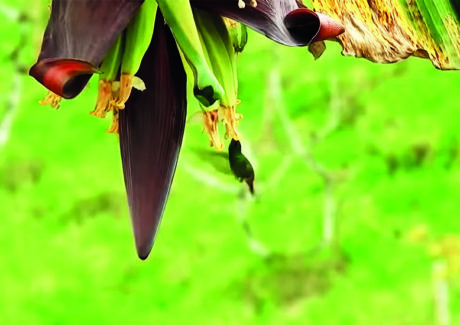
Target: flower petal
[(151, 131), (282, 21), (329, 28), (64, 77), (78, 35)]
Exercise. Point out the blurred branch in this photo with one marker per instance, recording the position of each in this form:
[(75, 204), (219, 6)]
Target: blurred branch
[(300, 149), (441, 292), (12, 105), (242, 207), (9, 12), (279, 173), (210, 180), (242, 204), (11, 109), (275, 107), (334, 113)]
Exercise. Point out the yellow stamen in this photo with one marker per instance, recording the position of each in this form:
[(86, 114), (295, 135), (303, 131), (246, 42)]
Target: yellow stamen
[(241, 4), (126, 85), (115, 115), (230, 23), (114, 107), (254, 3), (104, 97), (210, 119), (109, 95), (230, 118), (51, 99)]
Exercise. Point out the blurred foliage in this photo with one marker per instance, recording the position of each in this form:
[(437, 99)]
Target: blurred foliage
[(375, 147)]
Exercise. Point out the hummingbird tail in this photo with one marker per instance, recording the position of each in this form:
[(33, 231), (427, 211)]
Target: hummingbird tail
[(250, 183)]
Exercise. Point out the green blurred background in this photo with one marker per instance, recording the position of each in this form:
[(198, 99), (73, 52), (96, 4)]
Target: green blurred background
[(356, 218)]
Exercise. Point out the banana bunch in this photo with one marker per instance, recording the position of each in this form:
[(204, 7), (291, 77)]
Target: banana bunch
[(122, 62), (209, 45), (221, 39)]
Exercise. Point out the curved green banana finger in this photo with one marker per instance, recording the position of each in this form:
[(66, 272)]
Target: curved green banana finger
[(238, 33), (220, 53), (112, 60), (138, 36), (178, 15), (109, 70), (219, 47)]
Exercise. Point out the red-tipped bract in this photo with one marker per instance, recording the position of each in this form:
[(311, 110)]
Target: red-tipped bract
[(268, 18), (64, 77), (330, 28), (77, 36)]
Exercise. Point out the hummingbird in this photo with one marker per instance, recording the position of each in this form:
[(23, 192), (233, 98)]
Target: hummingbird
[(240, 165)]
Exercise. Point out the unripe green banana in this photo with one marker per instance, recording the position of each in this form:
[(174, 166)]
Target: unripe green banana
[(138, 36), (219, 47), (112, 60), (109, 71), (220, 53), (178, 15), (238, 33)]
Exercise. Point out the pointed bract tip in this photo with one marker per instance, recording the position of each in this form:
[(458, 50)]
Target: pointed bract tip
[(151, 129), (143, 255), (64, 77), (143, 247), (144, 228), (329, 28)]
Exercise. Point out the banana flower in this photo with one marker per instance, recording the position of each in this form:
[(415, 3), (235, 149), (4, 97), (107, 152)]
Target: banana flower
[(144, 44)]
